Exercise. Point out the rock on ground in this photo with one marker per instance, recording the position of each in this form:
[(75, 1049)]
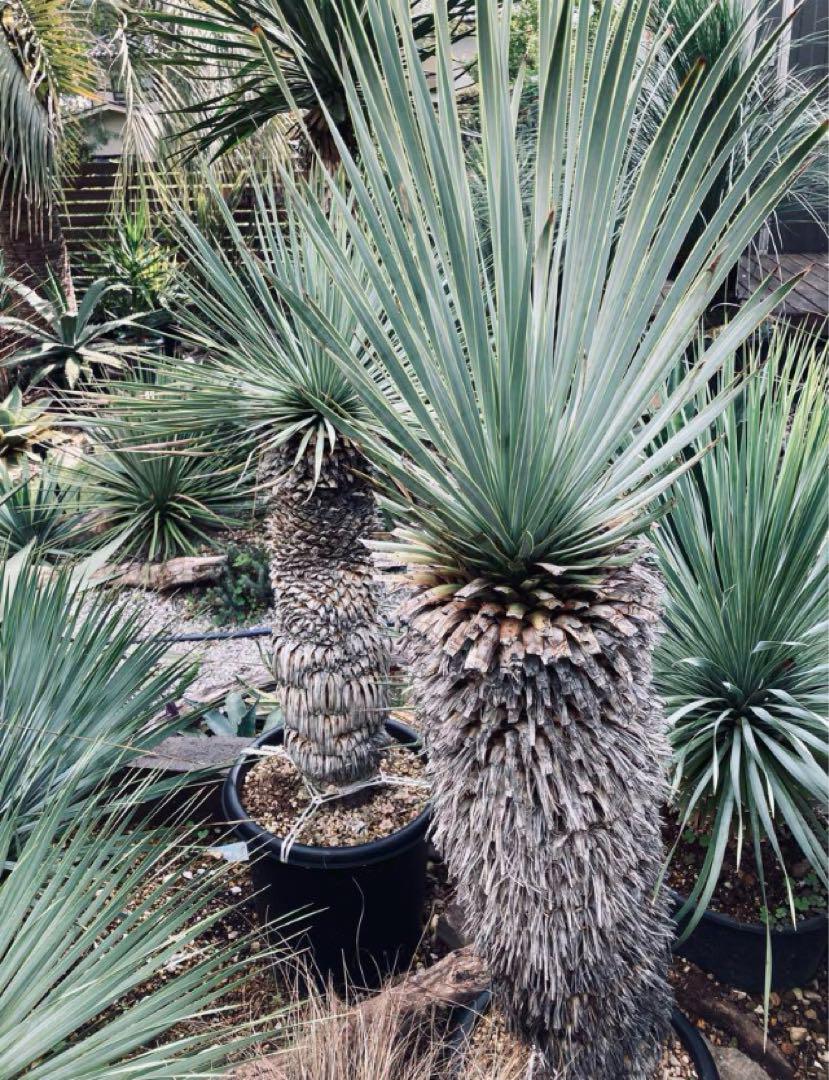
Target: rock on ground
[(734, 1065)]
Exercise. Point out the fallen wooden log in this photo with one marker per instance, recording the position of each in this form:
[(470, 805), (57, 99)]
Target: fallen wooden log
[(187, 570), (420, 1000)]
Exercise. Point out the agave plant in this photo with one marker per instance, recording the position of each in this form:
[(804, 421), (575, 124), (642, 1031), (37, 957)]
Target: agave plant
[(743, 664), (102, 954), (162, 501), (40, 510), (66, 338), (261, 378), (533, 378), (276, 57), (22, 427), (75, 672)]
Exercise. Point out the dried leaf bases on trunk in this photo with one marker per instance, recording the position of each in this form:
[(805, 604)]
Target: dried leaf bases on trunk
[(541, 711), (330, 647), (258, 388)]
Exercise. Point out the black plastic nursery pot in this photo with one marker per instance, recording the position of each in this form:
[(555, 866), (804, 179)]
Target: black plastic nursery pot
[(693, 1043), (360, 908), (734, 952)]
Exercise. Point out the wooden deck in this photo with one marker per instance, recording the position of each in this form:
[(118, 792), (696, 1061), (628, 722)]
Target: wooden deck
[(808, 300)]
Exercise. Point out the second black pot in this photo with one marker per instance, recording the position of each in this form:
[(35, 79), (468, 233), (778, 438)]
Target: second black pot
[(360, 908), (735, 952)]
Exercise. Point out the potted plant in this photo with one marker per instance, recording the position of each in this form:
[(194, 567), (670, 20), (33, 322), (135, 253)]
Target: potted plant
[(257, 387), (531, 360), (742, 669)]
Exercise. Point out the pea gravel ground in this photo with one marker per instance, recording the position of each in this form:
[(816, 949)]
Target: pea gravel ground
[(223, 664)]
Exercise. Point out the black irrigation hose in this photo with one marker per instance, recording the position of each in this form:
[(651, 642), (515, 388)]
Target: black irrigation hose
[(218, 635)]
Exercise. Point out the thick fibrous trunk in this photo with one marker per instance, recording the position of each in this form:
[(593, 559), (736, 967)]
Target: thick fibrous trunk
[(547, 755), (33, 247), (29, 251), (330, 649)]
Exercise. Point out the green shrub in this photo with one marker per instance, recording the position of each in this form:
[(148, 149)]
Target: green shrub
[(523, 38), (22, 427), (244, 589), (136, 260)]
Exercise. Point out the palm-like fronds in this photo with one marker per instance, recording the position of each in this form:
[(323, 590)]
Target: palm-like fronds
[(73, 674), (266, 59), (44, 54), (163, 501), (261, 373), (93, 911), (532, 377), (743, 664)]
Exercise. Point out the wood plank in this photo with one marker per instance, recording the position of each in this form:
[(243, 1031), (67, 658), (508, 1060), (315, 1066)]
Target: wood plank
[(809, 298)]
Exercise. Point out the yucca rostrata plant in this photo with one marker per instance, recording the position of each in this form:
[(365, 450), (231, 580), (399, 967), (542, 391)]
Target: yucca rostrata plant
[(260, 381), (533, 378), (742, 664)]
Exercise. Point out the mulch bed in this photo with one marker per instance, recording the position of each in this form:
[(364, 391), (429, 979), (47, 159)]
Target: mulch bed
[(258, 996), (275, 796)]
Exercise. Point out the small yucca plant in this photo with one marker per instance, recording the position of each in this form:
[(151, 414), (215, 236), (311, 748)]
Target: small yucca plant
[(743, 663), (104, 947), (530, 347), (163, 501), (38, 509), (74, 671)]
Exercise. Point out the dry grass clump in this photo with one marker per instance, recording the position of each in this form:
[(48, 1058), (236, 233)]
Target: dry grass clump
[(361, 1046), (338, 1042)]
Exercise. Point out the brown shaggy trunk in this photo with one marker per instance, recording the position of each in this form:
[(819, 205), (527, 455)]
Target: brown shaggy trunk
[(547, 754), (29, 250), (330, 649), (32, 248), (321, 141)]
